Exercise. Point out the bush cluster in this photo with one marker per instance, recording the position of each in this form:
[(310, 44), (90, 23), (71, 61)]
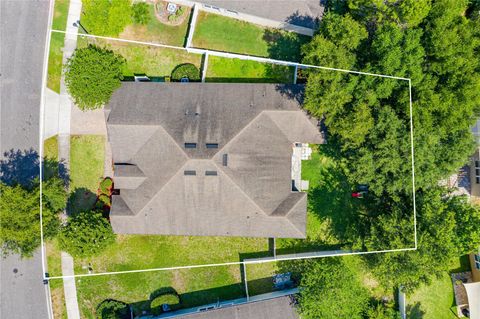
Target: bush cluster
[(186, 70)]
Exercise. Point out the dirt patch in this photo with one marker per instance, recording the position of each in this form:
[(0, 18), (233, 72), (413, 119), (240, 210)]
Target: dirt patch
[(171, 19), (179, 281), (58, 303)]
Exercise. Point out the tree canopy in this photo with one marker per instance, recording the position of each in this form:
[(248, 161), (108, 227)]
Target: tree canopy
[(106, 17), (20, 215), (92, 74)]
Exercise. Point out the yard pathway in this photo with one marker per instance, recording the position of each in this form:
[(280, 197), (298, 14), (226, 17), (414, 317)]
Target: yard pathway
[(69, 287)]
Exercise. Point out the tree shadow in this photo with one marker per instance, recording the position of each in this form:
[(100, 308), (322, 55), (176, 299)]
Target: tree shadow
[(80, 200), (284, 45), (22, 168), (415, 311), (303, 20), (19, 167), (292, 91)]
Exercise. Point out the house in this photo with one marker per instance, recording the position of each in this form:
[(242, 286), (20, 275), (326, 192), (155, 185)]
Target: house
[(276, 305), (208, 159)]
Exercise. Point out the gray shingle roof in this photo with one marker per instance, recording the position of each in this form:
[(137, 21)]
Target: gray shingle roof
[(304, 13), (254, 125)]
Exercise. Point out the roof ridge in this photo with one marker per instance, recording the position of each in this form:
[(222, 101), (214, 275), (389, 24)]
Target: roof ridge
[(294, 206)]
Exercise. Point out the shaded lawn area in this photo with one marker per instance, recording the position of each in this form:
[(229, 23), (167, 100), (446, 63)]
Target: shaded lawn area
[(195, 286), (87, 154), (157, 32), (55, 56), (144, 59), (220, 33), (240, 71), (330, 208), (437, 300)]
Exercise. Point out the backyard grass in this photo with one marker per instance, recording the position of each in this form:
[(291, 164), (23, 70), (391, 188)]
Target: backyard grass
[(149, 60), (239, 71), (437, 300), (55, 56), (195, 286), (86, 170), (329, 205), (220, 33), (158, 32)]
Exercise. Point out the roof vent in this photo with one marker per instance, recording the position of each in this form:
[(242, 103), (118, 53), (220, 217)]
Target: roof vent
[(225, 159), (212, 145), (190, 145), (210, 173), (189, 173)]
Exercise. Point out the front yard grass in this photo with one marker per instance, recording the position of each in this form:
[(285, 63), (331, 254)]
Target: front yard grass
[(150, 60), (60, 14), (220, 33), (87, 154), (157, 32), (196, 287), (50, 148), (240, 71)]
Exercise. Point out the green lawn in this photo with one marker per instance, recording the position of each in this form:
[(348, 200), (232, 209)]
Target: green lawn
[(60, 14), (220, 33), (239, 71), (195, 286), (50, 148), (86, 170), (437, 300), (144, 59), (158, 32), (55, 53), (55, 56)]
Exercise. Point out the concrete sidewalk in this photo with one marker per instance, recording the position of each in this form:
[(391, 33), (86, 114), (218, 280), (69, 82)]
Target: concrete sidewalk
[(69, 287)]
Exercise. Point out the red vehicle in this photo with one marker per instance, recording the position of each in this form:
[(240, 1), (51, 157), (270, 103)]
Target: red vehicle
[(357, 194)]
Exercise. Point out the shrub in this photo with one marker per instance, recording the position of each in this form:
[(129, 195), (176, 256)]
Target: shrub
[(187, 70), (171, 18), (104, 17), (168, 297), (86, 234), (104, 199), (105, 186), (112, 309), (91, 76), (141, 13), (179, 12)]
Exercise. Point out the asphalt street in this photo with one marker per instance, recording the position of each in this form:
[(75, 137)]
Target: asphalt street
[(23, 27)]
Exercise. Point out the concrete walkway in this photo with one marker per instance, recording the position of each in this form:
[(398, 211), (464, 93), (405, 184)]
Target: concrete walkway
[(69, 287)]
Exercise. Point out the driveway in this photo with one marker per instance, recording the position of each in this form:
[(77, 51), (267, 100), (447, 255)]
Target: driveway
[(23, 27)]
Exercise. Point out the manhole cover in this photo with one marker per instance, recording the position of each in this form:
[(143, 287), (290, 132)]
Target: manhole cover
[(15, 270)]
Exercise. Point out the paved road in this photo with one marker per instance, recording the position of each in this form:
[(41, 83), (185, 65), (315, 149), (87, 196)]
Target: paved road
[(23, 27)]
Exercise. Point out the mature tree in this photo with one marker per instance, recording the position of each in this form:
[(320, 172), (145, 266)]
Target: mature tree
[(92, 74), (86, 234), (20, 215), (447, 228), (106, 17), (330, 289)]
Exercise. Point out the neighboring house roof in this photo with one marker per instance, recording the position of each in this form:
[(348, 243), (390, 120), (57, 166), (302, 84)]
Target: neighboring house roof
[(242, 183), (473, 293), (276, 308), (304, 13)]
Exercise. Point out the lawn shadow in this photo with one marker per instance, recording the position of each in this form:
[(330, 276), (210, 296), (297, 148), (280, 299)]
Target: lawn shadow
[(22, 168), (81, 199), (415, 311), (283, 45)]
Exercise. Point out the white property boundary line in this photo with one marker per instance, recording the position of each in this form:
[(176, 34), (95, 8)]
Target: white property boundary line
[(271, 61)]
